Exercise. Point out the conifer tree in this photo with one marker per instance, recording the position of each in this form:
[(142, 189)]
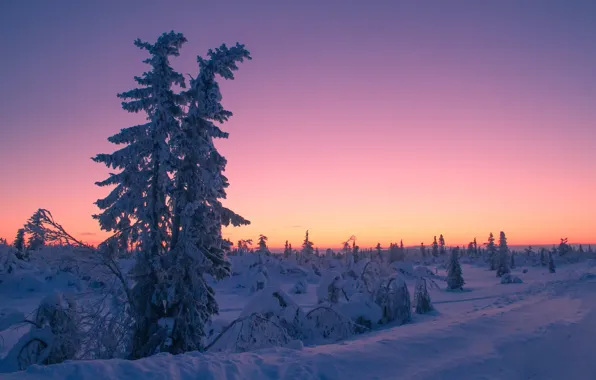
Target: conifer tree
[(455, 279), (551, 263), (441, 245), (379, 249), (580, 249), (307, 248), (589, 248), (564, 247), (543, 261), (503, 256), (422, 250), (435, 247), (492, 252), (263, 244), (287, 250), (36, 232), (197, 245), (19, 241), (475, 247)]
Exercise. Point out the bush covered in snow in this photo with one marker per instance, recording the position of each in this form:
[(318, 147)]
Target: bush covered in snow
[(508, 278)]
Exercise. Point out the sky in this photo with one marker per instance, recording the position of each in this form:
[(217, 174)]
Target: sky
[(386, 120)]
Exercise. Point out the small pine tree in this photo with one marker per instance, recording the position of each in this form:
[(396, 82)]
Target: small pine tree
[(355, 251), (379, 249), (471, 249), (435, 247), (503, 259), (393, 252), (475, 247), (422, 250), (492, 252), (307, 248), (442, 245), (551, 263), (19, 241), (590, 248), (263, 245), (543, 257), (421, 297), (564, 247), (287, 250), (580, 249), (36, 232), (455, 279)]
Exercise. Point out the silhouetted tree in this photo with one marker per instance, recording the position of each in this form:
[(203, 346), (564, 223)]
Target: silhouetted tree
[(503, 265), (455, 279)]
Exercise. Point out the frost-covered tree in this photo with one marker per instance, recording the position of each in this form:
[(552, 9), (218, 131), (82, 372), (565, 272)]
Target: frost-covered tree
[(197, 244), (564, 247), (503, 256), (551, 263), (455, 278), (543, 261), (355, 251), (529, 251), (491, 249), (19, 241), (580, 249), (379, 250), (287, 250), (435, 247), (263, 245), (144, 184), (170, 187), (307, 247), (441, 245), (36, 232), (470, 250), (421, 297), (422, 250), (590, 248)]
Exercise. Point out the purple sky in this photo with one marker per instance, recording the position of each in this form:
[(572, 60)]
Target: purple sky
[(351, 113)]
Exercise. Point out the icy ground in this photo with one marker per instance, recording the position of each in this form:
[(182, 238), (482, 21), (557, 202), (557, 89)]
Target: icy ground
[(544, 328)]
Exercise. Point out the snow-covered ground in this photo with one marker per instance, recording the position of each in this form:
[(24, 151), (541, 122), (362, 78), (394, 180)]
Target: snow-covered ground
[(543, 328)]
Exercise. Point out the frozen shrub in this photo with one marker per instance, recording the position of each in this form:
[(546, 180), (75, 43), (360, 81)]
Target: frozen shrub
[(394, 299), (58, 313), (326, 323), (362, 311), (508, 278), (422, 298), (330, 288), (300, 287)]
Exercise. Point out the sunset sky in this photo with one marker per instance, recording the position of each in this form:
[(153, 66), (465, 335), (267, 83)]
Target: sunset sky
[(386, 120)]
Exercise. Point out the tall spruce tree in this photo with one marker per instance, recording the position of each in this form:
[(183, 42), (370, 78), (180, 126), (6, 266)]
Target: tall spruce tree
[(144, 184), (200, 185)]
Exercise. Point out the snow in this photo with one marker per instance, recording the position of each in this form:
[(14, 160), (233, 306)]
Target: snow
[(487, 331)]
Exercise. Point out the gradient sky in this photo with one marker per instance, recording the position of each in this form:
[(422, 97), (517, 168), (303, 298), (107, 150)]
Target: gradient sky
[(384, 119)]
